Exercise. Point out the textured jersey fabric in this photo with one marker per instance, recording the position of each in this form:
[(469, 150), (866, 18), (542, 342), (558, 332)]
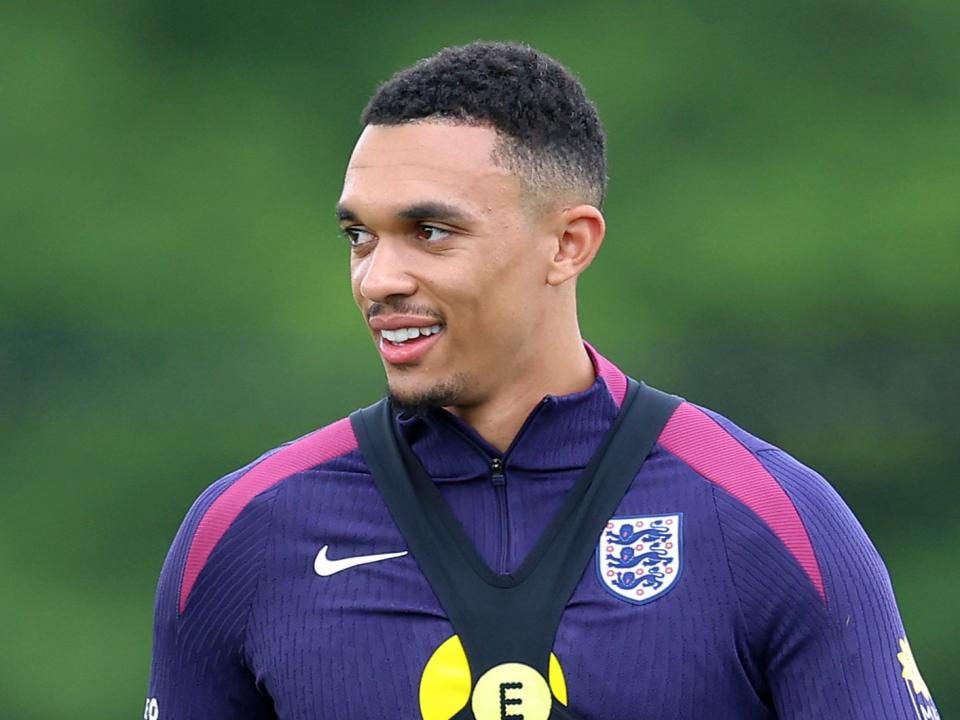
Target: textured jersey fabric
[(732, 581)]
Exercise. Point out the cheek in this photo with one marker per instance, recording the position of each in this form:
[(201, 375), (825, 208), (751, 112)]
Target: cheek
[(509, 289), (519, 275)]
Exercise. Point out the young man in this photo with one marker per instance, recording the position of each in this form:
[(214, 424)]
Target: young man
[(482, 546)]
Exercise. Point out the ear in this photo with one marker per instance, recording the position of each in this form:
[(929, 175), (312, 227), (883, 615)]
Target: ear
[(580, 234)]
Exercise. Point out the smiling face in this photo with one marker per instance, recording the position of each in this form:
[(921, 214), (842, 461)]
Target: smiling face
[(449, 266)]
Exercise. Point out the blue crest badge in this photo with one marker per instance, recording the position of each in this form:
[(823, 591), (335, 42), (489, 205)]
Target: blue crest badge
[(639, 556)]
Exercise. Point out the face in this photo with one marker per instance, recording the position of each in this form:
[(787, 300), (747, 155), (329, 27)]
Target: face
[(448, 266)]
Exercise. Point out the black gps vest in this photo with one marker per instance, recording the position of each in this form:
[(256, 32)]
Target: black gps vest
[(507, 621)]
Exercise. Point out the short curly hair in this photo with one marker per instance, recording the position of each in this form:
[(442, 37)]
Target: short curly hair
[(551, 136)]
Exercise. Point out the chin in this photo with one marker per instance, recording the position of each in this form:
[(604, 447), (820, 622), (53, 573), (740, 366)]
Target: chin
[(418, 398)]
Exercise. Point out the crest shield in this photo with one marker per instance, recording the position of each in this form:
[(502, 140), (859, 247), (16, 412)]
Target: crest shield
[(639, 557)]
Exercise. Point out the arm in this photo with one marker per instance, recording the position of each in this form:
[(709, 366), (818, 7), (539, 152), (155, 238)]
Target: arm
[(199, 669), (838, 651)]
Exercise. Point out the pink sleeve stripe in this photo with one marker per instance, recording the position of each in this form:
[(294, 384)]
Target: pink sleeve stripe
[(317, 447), (695, 438), (614, 378)]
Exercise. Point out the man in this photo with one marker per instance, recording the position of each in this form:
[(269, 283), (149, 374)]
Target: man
[(439, 556)]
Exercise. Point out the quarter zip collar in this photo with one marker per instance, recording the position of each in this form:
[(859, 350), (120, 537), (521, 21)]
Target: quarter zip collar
[(560, 433)]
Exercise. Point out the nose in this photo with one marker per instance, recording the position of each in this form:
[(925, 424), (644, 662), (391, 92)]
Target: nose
[(384, 271)]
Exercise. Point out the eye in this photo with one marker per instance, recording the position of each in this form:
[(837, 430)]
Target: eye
[(431, 234), (357, 237)]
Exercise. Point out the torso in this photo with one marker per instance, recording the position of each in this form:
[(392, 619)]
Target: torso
[(354, 645)]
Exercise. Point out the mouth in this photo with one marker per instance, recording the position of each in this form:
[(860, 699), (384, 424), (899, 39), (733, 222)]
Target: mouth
[(403, 335), (407, 344)]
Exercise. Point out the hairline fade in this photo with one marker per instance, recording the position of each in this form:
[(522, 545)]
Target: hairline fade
[(549, 132)]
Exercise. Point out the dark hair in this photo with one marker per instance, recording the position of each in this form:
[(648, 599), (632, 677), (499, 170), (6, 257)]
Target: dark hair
[(550, 131)]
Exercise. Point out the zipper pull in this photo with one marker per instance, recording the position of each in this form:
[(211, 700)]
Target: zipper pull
[(497, 476)]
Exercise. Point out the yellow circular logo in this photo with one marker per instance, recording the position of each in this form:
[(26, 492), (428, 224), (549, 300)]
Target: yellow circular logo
[(445, 687), (510, 692)]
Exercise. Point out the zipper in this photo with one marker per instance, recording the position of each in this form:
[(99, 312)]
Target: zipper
[(498, 477)]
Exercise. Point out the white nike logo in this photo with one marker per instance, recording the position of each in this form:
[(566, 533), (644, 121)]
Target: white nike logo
[(325, 567)]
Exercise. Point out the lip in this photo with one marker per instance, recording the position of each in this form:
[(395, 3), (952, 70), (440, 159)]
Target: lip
[(394, 322), (410, 351)]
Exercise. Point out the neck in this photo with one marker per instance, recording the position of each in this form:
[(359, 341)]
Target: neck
[(561, 369)]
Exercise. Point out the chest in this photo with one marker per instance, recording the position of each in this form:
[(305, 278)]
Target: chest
[(360, 634)]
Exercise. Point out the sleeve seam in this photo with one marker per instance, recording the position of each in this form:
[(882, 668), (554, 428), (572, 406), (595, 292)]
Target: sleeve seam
[(773, 449), (832, 625), (244, 636), (733, 580)]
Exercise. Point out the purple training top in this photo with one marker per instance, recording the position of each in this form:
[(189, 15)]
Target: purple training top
[(732, 582)]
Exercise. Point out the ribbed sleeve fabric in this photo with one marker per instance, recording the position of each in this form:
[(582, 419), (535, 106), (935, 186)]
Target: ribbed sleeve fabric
[(198, 669), (836, 659)]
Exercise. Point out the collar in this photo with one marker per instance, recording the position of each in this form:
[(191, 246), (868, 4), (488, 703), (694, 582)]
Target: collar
[(560, 433)]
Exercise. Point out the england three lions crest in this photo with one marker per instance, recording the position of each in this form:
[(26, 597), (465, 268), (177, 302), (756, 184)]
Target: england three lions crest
[(639, 557)]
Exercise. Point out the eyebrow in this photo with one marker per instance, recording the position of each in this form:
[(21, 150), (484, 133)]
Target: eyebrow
[(345, 213), (433, 211), (428, 210)]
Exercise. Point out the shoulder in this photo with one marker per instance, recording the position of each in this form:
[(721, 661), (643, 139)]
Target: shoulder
[(757, 486), (244, 492)]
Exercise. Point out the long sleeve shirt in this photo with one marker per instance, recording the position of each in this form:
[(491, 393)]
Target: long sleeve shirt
[(732, 581)]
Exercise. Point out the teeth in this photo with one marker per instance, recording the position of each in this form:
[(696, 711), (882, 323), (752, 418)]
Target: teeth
[(401, 335)]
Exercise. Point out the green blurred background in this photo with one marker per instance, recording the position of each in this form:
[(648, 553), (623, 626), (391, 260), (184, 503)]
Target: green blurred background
[(783, 246)]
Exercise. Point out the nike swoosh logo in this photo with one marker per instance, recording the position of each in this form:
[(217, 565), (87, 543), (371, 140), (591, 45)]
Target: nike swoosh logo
[(325, 567)]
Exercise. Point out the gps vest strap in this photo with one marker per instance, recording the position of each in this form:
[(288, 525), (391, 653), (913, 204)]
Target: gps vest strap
[(510, 618)]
